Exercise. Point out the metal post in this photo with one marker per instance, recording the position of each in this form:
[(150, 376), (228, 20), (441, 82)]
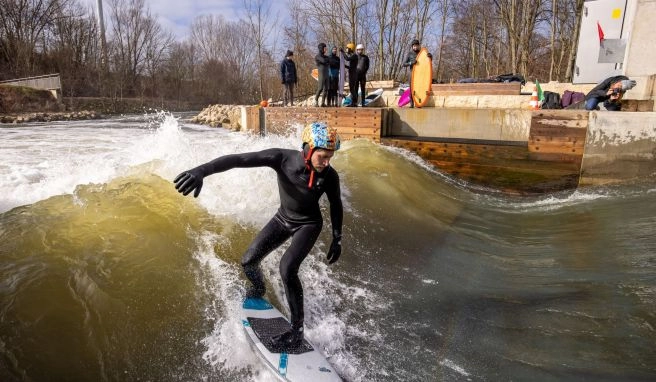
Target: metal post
[(101, 25)]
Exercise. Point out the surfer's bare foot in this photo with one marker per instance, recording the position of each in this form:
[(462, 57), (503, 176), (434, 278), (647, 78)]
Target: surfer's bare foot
[(287, 340)]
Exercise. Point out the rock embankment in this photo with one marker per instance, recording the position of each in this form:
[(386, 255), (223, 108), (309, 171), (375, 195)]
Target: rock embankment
[(48, 117), (227, 116)]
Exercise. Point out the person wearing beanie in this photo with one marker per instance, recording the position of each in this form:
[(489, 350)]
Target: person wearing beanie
[(322, 67), (288, 77), (411, 60), (609, 91), (362, 68)]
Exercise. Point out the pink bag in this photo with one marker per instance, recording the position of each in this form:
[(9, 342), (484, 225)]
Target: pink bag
[(405, 98)]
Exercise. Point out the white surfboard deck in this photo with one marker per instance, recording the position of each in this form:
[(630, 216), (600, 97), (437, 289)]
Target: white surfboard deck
[(308, 366)]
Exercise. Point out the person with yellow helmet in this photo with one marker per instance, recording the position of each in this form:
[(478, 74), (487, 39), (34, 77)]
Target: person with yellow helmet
[(303, 177), (351, 63)]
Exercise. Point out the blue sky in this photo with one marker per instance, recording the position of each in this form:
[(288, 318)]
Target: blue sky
[(177, 15)]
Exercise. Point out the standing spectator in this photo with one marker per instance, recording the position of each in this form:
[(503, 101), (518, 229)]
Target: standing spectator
[(362, 68), (322, 67), (288, 77), (610, 92), (352, 65), (333, 76), (410, 61)]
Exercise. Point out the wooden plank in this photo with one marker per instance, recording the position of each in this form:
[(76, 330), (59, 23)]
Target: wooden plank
[(358, 130), (512, 180), (511, 168), (385, 84), (557, 138), (350, 136), (489, 152), (512, 88), (556, 149)]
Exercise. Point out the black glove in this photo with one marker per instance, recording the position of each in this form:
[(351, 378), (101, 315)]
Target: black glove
[(335, 250), (190, 180)]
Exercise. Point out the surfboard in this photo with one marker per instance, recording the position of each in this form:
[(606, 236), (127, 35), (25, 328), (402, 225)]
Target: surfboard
[(422, 78), (315, 74), (374, 98), (342, 74), (261, 320)]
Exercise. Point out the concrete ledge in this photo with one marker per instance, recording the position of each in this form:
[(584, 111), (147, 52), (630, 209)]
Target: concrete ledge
[(483, 124), (619, 146)]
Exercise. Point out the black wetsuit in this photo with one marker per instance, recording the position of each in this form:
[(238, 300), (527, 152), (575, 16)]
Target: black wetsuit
[(362, 68), (352, 66), (322, 85), (299, 216)]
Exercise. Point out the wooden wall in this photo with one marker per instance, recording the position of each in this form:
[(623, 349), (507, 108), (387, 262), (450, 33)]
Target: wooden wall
[(350, 122), (550, 160)]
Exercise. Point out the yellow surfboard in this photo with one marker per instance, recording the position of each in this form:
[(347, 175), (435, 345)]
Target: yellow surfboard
[(422, 78)]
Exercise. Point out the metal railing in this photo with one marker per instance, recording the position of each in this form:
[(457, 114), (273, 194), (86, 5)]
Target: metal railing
[(46, 82)]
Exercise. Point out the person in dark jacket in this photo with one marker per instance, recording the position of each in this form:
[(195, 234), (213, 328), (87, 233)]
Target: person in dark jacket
[(351, 63), (303, 178), (362, 68), (411, 60), (610, 92), (333, 76), (288, 77), (322, 67)]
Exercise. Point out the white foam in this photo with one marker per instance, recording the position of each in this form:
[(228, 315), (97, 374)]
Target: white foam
[(227, 345), (453, 366)]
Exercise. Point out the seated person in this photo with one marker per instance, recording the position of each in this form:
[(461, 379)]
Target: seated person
[(610, 92)]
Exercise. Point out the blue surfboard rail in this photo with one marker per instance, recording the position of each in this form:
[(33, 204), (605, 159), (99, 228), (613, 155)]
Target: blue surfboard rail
[(256, 303)]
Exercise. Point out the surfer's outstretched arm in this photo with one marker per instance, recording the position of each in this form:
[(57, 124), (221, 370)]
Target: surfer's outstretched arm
[(192, 180), (336, 218)]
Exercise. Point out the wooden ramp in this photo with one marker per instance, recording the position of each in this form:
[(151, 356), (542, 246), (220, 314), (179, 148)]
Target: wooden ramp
[(351, 123)]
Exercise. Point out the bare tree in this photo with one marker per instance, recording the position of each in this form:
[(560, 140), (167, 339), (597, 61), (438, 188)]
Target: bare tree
[(75, 50), (23, 24), (261, 22), (444, 9), (136, 34), (578, 11), (520, 18)]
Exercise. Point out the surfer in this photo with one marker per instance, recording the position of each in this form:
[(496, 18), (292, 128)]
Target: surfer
[(351, 60), (362, 68), (322, 67), (411, 60), (303, 177), (288, 76), (333, 76)]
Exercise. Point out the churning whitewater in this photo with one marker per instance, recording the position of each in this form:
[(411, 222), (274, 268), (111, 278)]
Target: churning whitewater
[(107, 273)]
